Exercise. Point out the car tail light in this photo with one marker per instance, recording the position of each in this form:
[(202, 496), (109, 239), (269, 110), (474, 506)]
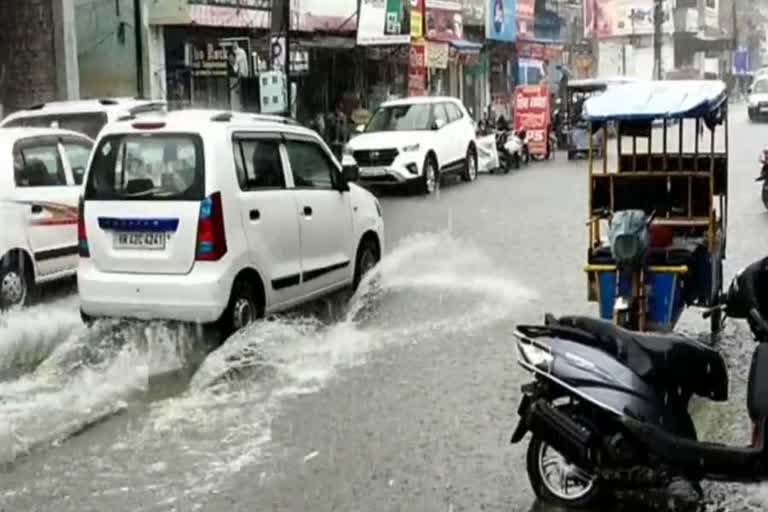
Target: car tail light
[(149, 125), (82, 236), (211, 237)]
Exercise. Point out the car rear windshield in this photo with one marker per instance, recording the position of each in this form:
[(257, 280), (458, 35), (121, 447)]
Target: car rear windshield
[(147, 167), (89, 124)]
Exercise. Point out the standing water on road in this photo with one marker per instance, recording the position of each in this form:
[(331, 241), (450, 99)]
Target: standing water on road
[(165, 448)]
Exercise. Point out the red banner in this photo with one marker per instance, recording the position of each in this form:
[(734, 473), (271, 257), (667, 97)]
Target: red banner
[(417, 70), (532, 114), (444, 21), (533, 50), (525, 18)]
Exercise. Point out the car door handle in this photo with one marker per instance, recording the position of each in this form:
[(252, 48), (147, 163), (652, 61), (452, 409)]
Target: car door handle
[(254, 214), (36, 208), (307, 211)]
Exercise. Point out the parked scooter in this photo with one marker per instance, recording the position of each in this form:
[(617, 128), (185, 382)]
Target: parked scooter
[(608, 407), (764, 176)]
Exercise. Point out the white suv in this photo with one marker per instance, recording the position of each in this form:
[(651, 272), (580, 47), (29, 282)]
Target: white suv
[(85, 116), (207, 217), (43, 169), (414, 141)]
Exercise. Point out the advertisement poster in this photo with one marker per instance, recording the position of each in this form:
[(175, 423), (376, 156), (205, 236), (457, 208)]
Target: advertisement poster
[(417, 69), (397, 17), (532, 114), (374, 21), (444, 21), (417, 19), (611, 18), (526, 14), (501, 20), (473, 12), (437, 55)]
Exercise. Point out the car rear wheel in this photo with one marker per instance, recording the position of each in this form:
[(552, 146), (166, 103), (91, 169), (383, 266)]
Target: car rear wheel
[(15, 285), (245, 307)]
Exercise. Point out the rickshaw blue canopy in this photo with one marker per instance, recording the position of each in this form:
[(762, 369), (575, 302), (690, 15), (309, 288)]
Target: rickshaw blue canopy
[(651, 100)]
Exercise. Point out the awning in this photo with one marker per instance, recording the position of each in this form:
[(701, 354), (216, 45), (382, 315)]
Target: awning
[(466, 47)]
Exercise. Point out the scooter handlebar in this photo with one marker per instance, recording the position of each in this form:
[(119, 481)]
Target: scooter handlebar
[(709, 311)]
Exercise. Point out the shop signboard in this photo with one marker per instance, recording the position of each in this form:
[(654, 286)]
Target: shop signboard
[(501, 20), (209, 60), (417, 19), (378, 26), (612, 18), (397, 17), (532, 114), (417, 69), (437, 55), (473, 12), (526, 15), (444, 21)]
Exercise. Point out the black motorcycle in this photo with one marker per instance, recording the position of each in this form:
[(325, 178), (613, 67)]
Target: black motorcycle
[(608, 407), (764, 176)]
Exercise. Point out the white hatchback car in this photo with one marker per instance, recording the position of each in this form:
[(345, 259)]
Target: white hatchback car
[(207, 217), (38, 204), (84, 116), (415, 141)]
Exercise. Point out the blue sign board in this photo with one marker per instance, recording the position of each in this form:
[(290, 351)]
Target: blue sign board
[(501, 20), (741, 62)]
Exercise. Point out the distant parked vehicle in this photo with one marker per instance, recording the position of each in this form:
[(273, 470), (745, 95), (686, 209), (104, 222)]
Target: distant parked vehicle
[(44, 170)]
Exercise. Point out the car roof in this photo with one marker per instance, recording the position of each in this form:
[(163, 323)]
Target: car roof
[(13, 134), (420, 100), (86, 106), (199, 120)]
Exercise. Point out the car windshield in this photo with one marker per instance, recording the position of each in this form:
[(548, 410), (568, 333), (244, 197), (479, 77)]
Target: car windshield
[(89, 124), (760, 87), (400, 118), (143, 167)]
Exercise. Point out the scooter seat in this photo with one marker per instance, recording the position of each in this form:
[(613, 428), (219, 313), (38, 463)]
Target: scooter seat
[(666, 361)]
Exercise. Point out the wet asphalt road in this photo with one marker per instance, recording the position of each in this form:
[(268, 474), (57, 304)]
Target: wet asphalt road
[(404, 405)]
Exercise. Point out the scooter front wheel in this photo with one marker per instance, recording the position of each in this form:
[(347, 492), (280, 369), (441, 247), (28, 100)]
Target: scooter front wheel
[(557, 481)]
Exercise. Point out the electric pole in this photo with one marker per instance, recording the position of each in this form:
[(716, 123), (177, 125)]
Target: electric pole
[(658, 22), (137, 25)]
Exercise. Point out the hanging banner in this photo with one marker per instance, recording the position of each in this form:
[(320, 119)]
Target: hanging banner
[(417, 69), (526, 14), (501, 20), (437, 55), (532, 104), (611, 18), (375, 20), (417, 19), (444, 20)]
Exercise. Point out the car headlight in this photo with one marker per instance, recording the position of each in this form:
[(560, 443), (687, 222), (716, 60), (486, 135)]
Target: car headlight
[(534, 354), (347, 150), (751, 102), (412, 147)]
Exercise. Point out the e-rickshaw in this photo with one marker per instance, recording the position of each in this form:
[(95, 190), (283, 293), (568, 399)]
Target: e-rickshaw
[(575, 129), (665, 206)]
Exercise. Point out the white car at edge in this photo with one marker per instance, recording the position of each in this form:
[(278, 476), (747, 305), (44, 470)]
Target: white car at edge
[(39, 188), (414, 141), (218, 218)]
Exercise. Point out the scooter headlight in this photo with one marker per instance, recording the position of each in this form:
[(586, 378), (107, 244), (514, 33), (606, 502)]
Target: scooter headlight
[(534, 354)]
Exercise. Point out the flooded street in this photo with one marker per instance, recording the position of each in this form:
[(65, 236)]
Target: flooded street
[(402, 398)]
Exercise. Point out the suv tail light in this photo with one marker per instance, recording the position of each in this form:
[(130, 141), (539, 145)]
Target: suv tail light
[(211, 236), (82, 236)]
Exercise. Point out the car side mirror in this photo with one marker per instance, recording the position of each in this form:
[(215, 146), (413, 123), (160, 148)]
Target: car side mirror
[(349, 174)]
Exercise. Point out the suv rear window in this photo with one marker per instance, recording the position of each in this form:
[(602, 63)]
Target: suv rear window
[(89, 124), (147, 167)]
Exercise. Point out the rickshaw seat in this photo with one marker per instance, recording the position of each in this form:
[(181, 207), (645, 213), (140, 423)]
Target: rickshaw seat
[(657, 256), (668, 360)]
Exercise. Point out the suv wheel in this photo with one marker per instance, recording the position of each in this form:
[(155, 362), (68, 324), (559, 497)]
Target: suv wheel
[(470, 165), (15, 286), (429, 177)]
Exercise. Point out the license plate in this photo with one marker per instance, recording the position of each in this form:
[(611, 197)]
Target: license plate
[(147, 241), (373, 171)]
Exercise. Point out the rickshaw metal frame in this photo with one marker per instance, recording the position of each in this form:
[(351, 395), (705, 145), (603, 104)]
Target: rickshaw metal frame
[(712, 226)]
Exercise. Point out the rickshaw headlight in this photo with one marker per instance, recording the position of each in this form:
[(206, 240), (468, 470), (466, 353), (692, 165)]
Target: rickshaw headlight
[(534, 355)]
